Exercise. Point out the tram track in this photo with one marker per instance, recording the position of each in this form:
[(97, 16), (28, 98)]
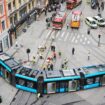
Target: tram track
[(48, 49)]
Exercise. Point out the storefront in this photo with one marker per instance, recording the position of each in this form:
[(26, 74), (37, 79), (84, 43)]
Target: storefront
[(4, 41)]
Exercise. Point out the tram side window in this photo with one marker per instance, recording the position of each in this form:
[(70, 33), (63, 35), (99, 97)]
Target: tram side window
[(90, 81), (29, 84), (20, 81), (103, 80), (62, 84), (97, 79)]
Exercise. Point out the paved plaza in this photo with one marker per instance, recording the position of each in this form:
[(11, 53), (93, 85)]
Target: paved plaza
[(64, 40)]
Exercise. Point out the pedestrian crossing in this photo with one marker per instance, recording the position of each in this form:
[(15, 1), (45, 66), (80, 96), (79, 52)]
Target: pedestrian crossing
[(70, 36)]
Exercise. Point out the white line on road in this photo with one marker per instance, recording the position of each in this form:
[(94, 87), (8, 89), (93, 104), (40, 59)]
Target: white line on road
[(78, 36), (85, 38), (66, 36), (57, 34), (62, 34), (73, 39), (76, 41), (81, 40), (82, 35), (48, 34)]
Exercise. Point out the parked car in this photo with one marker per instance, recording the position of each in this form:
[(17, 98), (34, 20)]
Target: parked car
[(99, 20), (91, 22)]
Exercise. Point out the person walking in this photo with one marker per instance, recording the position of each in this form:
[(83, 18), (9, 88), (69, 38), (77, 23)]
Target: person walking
[(88, 55), (88, 31), (73, 51), (67, 26), (51, 66)]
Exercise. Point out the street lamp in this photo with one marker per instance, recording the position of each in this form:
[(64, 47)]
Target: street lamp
[(28, 51), (99, 36)]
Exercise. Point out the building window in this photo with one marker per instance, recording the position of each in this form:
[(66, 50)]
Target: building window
[(14, 3), (11, 21), (6, 42), (1, 47), (1, 9), (33, 3), (3, 25), (29, 6), (19, 1), (9, 6)]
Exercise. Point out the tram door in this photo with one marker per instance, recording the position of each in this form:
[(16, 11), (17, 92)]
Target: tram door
[(51, 87), (72, 85), (103, 80), (6, 75), (40, 85)]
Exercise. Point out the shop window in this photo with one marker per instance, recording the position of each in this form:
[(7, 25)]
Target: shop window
[(3, 25)]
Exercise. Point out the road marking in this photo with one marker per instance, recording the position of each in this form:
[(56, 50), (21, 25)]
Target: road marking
[(88, 42), (82, 35), (81, 40), (78, 36), (62, 34), (73, 39), (76, 41), (48, 34), (85, 38), (71, 35), (58, 34), (66, 36)]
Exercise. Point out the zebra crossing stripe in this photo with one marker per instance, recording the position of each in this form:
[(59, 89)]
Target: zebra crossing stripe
[(81, 40), (76, 41), (57, 34), (85, 38), (62, 34), (78, 36), (73, 39), (82, 35), (88, 42), (48, 34), (66, 36)]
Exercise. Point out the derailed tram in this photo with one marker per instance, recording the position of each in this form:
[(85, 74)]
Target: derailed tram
[(47, 82)]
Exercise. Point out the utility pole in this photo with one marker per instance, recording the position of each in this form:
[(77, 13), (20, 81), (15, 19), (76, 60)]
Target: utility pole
[(99, 37)]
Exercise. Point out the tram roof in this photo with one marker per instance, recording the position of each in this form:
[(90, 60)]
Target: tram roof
[(12, 63)]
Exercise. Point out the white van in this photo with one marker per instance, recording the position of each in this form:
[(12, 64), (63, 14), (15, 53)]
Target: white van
[(91, 22), (99, 20)]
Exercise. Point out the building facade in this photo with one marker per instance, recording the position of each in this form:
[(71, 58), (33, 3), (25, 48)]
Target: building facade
[(21, 13), (4, 25)]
